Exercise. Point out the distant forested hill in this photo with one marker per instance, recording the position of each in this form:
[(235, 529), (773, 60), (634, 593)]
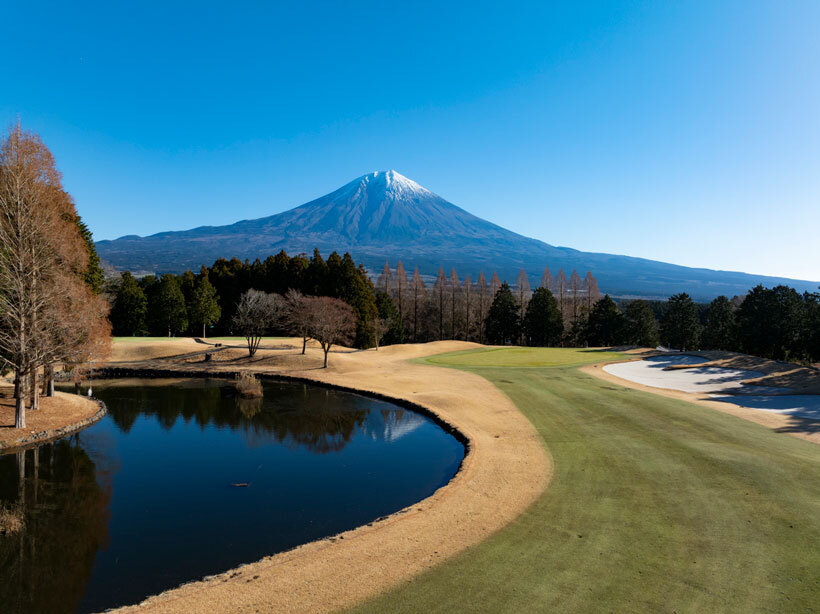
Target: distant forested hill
[(385, 216)]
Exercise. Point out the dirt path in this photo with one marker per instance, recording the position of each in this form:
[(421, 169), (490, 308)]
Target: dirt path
[(503, 473)]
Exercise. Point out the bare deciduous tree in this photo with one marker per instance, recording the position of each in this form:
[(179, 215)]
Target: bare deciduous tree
[(380, 328), (467, 296), (333, 322), (481, 293), (82, 332), (455, 287), (256, 312), (42, 255), (495, 285), (547, 280), (439, 292), (591, 289), (385, 283), (575, 291), (561, 291), (400, 289), (419, 298), (296, 315)]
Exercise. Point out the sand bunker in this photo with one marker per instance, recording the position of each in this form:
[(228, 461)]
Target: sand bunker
[(724, 385), (800, 405)]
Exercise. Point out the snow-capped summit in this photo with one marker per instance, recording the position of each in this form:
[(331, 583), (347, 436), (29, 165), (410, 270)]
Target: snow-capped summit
[(386, 216), (391, 184), (397, 183)]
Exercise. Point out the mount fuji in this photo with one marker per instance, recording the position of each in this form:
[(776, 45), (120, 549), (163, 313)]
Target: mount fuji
[(386, 216)]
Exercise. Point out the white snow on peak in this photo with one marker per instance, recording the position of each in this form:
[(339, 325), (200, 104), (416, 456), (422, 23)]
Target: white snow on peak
[(397, 184)]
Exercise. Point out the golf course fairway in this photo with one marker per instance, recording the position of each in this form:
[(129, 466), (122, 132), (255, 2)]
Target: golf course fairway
[(655, 505)]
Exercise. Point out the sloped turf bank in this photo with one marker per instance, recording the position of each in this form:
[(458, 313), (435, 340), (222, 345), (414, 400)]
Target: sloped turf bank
[(655, 505)]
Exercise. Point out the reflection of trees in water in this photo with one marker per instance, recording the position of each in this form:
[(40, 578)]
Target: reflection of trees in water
[(320, 429), (318, 419), (46, 566)]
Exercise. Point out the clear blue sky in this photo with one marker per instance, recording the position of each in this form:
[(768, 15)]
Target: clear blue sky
[(687, 132)]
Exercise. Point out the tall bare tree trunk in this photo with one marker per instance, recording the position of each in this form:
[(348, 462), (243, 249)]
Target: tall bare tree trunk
[(48, 376), (19, 402), (203, 330), (34, 390), (415, 316)]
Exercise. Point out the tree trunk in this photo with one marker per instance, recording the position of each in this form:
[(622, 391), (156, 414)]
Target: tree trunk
[(467, 320), (326, 349), (304, 344), (203, 330), (19, 402), (34, 390), (453, 310), (48, 376), (415, 318)]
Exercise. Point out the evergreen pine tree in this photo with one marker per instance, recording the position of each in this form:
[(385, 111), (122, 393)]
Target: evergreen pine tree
[(93, 274), (203, 308), (502, 325), (166, 307), (720, 332), (543, 325), (680, 325), (605, 326), (389, 313), (129, 309), (641, 327)]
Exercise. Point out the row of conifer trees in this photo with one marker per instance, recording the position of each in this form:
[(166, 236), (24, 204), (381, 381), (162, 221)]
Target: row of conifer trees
[(569, 311), (413, 310)]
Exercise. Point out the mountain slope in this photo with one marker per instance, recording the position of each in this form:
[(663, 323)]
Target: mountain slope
[(385, 216)]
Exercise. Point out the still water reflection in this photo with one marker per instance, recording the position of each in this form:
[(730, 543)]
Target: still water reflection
[(181, 480)]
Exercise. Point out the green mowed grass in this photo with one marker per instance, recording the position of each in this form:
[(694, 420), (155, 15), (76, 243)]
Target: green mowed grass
[(656, 505), (523, 357)]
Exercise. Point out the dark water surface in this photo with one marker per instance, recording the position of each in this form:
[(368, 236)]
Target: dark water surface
[(145, 499)]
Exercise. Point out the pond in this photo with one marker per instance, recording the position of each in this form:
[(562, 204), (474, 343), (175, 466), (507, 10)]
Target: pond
[(181, 479)]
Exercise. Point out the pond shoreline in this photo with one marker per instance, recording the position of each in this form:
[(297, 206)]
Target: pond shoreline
[(153, 373), (504, 469), (43, 436)]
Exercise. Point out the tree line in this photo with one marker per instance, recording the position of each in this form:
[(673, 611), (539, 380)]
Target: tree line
[(777, 323), (207, 302), (395, 309), (51, 310), (562, 311)]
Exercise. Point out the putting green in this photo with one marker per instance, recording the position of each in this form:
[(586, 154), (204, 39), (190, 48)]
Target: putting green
[(655, 505)]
